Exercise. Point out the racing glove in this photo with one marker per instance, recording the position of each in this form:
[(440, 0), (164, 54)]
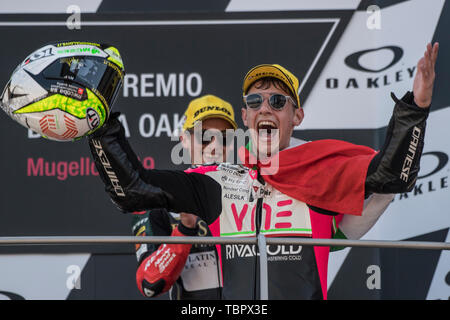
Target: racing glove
[(395, 168), (158, 272), (132, 188)]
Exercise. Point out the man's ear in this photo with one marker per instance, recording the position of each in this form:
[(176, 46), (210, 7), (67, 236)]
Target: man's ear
[(185, 140), (298, 116), (244, 116)]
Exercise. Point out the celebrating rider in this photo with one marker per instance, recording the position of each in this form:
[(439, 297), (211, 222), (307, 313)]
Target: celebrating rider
[(284, 187)]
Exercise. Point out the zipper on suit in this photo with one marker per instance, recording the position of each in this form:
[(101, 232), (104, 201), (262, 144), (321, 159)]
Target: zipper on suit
[(258, 221)]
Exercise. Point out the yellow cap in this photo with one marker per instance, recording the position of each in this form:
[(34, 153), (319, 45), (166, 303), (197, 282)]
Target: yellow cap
[(208, 106), (272, 71)]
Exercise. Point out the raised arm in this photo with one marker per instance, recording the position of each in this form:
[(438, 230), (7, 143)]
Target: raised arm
[(396, 166)]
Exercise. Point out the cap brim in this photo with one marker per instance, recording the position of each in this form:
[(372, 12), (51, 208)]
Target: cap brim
[(267, 71), (230, 121)]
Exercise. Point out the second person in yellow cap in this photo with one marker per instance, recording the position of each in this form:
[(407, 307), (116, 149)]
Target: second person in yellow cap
[(184, 276), (207, 120)]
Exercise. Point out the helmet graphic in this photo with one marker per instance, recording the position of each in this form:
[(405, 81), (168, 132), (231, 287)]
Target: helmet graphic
[(64, 91)]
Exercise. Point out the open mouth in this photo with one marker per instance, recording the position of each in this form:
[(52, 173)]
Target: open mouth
[(267, 128)]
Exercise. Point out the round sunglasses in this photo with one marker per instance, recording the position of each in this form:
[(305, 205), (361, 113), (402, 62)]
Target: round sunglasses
[(276, 101)]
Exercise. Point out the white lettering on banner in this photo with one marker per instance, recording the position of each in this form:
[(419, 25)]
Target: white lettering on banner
[(168, 88), (190, 87), (122, 118), (147, 118), (149, 128), (146, 84), (163, 125), (181, 85), (130, 81), (149, 85)]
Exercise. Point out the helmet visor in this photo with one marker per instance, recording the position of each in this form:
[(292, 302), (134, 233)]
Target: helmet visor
[(91, 72)]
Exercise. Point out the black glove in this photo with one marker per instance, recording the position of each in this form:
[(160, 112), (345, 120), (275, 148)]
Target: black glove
[(395, 168), (119, 169)]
